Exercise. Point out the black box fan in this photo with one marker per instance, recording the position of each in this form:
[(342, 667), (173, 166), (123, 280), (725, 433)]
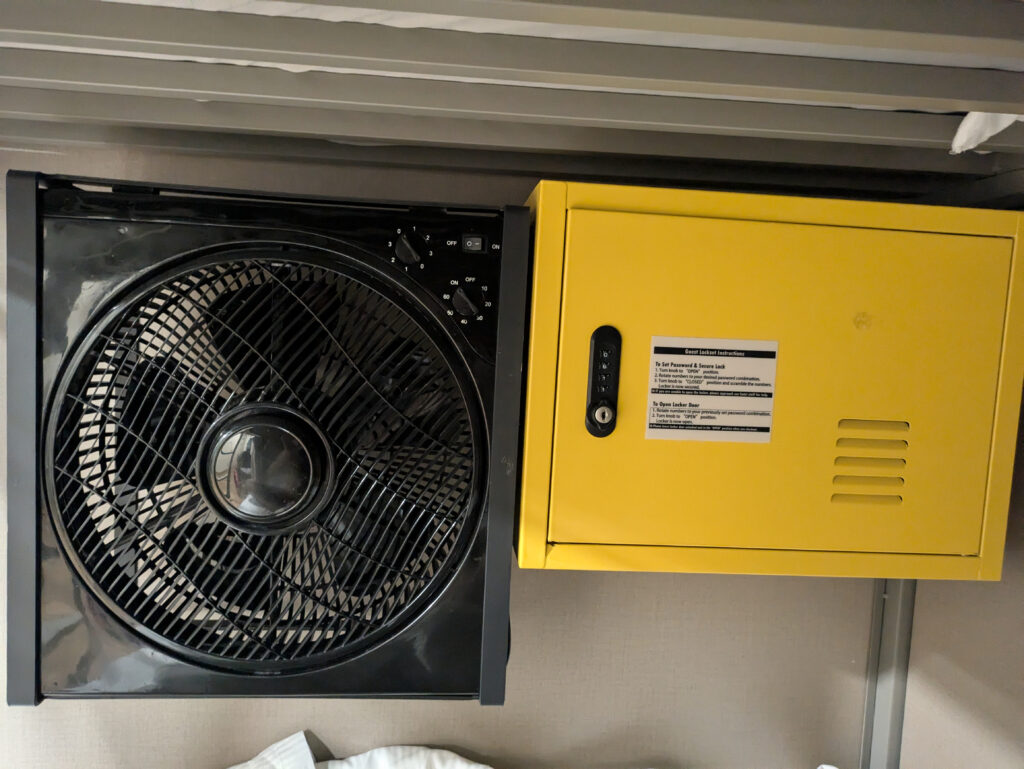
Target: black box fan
[(251, 442)]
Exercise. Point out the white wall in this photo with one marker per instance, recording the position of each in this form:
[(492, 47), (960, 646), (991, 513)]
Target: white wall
[(607, 670)]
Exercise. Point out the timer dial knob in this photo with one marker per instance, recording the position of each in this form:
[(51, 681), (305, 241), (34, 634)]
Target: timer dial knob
[(462, 304)]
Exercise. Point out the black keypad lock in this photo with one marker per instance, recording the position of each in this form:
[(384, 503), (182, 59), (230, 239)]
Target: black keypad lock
[(603, 381)]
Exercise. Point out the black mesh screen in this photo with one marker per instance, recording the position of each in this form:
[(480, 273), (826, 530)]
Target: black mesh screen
[(128, 417)]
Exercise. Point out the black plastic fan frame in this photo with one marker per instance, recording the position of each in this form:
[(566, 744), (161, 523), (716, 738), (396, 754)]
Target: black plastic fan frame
[(353, 265)]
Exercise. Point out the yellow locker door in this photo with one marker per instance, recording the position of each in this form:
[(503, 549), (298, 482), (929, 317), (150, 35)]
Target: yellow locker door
[(882, 402)]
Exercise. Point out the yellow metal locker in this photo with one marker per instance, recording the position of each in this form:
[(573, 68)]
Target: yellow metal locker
[(796, 386)]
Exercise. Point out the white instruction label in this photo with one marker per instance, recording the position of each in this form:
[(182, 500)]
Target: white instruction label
[(711, 389)]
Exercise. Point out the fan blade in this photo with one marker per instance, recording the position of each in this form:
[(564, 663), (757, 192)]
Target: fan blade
[(159, 409), (263, 332)]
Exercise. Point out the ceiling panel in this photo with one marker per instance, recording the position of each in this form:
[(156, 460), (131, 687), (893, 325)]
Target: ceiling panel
[(789, 81)]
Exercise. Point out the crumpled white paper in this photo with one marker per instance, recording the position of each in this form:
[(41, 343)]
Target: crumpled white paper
[(978, 127), (294, 753)]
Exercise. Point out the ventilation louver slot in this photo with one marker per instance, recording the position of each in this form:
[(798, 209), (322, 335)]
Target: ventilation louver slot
[(870, 461)]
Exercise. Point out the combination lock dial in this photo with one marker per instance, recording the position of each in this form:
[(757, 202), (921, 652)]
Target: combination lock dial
[(603, 381)]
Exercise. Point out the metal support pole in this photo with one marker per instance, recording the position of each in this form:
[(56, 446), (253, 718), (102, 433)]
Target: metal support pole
[(888, 663)]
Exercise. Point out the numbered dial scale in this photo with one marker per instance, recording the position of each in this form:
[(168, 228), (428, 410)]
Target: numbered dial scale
[(457, 258)]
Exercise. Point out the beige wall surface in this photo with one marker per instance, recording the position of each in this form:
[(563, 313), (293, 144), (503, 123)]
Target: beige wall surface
[(607, 670), (965, 693)]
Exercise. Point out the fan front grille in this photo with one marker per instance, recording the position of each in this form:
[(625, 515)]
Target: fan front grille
[(133, 404)]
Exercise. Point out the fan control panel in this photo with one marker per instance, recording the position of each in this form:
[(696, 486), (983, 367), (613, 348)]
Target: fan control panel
[(454, 254), (457, 258)]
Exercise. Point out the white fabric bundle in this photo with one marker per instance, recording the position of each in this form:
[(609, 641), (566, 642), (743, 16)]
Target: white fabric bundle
[(293, 753), (979, 127)]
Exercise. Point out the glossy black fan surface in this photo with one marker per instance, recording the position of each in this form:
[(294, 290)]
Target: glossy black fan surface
[(357, 387)]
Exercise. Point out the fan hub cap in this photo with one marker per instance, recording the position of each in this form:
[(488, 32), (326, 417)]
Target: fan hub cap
[(260, 470), (264, 468)]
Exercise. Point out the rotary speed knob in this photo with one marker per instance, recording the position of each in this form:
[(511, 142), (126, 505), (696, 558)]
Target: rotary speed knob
[(406, 251)]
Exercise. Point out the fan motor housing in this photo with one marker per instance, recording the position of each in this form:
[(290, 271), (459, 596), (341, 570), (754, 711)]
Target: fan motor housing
[(264, 432)]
